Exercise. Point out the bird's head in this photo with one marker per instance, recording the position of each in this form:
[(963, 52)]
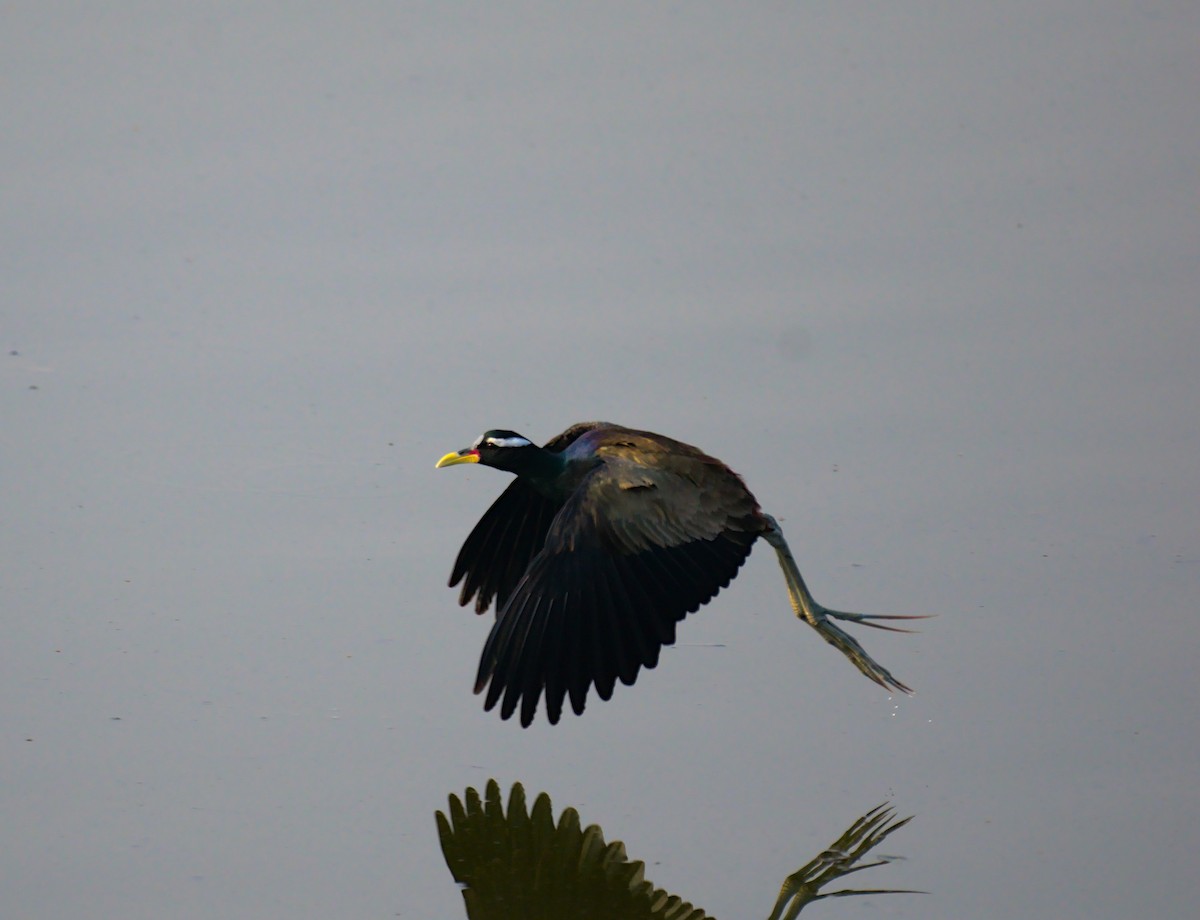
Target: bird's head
[(504, 450)]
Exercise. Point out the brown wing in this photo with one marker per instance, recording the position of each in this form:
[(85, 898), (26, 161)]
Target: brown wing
[(500, 547), (646, 539)]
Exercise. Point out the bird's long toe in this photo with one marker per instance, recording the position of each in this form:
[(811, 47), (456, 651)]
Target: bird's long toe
[(866, 619)]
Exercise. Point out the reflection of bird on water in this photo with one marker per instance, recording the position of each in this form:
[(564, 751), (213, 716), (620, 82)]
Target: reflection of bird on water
[(606, 539), (522, 865)]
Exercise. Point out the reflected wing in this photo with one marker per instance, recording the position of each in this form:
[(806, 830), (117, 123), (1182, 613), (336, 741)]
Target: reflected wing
[(631, 553), (500, 547), (520, 863)]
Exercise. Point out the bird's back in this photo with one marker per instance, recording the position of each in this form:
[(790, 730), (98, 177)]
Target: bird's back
[(691, 484)]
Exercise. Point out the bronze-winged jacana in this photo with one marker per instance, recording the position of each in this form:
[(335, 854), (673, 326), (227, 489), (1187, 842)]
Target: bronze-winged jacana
[(605, 540)]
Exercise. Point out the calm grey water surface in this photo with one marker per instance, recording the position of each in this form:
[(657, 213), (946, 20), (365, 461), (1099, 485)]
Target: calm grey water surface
[(925, 275)]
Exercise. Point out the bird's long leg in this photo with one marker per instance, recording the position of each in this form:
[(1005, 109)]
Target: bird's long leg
[(819, 618)]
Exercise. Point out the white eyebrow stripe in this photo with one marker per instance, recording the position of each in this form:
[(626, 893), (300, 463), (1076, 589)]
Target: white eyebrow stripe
[(508, 442)]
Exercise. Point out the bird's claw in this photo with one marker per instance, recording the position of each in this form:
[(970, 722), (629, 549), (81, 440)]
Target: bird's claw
[(850, 647)]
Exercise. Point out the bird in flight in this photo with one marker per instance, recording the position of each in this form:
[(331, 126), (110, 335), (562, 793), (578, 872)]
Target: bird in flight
[(606, 539)]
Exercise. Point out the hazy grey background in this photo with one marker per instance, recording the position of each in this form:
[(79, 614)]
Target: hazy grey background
[(925, 273)]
